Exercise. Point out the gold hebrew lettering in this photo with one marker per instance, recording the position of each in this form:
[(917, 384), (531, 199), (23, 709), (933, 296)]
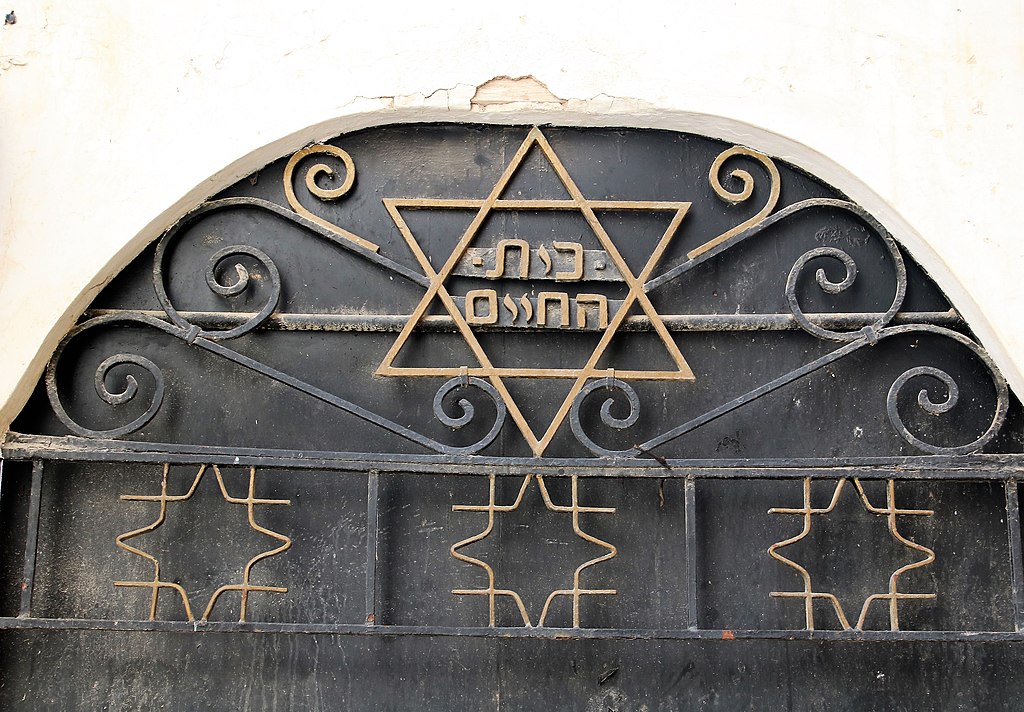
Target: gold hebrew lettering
[(545, 258), (602, 310), (475, 295), (577, 257), (527, 307), (510, 304), (542, 307), (499, 259)]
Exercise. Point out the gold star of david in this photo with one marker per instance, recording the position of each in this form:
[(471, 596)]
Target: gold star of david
[(576, 203)]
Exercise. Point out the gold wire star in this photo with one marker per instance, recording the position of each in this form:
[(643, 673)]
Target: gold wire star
[(892, 595), (156, 584), (576, 203), (492, 592)]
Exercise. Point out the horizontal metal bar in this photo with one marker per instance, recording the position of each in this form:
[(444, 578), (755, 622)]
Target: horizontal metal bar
[(530, 632), (674, 322), (985, 467)]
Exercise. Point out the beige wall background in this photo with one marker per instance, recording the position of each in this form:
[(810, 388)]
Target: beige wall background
[(116, 117)]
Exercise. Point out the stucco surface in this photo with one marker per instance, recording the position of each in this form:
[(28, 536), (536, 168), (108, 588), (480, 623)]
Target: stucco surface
[(119, 116)]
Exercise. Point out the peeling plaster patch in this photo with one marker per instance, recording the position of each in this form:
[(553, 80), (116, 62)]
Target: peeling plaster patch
[(605, 104), (504, 91), (454, 98), (529, 93), (502, 94)]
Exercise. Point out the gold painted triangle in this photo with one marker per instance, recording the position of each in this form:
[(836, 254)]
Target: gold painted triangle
[(576, 203)]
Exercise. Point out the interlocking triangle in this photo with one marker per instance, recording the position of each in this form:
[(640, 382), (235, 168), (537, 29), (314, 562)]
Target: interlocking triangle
[(576, 203)]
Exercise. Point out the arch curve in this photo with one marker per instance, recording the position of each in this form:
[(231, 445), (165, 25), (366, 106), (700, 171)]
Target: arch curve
[(585, 113)]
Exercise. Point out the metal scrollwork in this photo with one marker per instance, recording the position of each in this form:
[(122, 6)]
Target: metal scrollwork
[(829, 286), (270, 281), (256, 384), (115, 398), (861, 339), (326, 194), (188, 334), (469, 411), (240, 285), (238, 270), (615, 386), (952, 396), (734, 198)]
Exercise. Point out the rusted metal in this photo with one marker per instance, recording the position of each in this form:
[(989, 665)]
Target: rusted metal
[(388, 323)]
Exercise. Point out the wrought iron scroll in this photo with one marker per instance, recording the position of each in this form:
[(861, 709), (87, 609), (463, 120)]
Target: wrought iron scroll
[(725, 194), (864, 339), (855, 339), (322, 169), (242, 282), (190, 336), (227, 275), (468, 393)]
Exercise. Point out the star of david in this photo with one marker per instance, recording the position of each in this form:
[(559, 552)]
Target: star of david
[(576, 203)]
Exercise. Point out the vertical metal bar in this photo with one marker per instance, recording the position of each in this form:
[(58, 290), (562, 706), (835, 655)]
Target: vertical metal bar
[(1, 486), (28, 576), (372, 490), (690, 513), (1016, 565)]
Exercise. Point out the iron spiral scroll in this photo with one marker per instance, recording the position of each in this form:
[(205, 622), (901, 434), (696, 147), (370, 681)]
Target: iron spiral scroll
[(227, 277), (131, 389), (853, 340), (234, 270)]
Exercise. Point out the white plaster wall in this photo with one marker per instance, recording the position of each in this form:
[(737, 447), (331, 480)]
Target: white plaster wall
[(117, 116)]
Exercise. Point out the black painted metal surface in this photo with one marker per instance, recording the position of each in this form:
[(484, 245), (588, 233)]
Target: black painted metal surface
[(318, 448)]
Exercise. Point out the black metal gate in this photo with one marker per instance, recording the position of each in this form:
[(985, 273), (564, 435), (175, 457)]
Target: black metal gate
[(440, 415)]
